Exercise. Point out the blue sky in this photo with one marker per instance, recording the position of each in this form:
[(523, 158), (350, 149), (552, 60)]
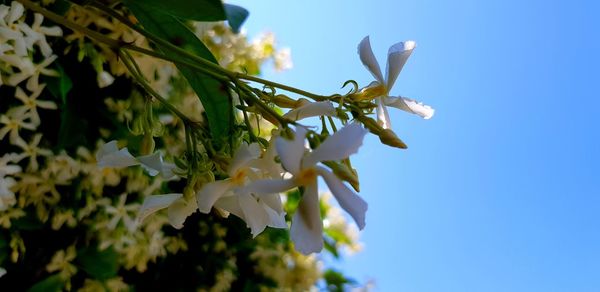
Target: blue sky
[(500, 190)]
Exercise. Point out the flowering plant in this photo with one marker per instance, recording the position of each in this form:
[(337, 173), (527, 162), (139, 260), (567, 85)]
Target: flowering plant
[(138, 146)]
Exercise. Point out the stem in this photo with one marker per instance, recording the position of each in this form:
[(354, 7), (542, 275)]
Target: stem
[(131, 66), (313, 96)]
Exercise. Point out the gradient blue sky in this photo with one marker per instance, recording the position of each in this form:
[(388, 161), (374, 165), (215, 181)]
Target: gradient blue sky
[(500, 190)]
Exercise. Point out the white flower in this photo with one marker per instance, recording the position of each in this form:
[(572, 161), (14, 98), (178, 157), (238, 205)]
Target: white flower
[(109, 155), (36, 34), (397, 56), (307, 226), (230, 195), (31, 103), (9, 28), (179, 208), (120, 212), (7, 197)]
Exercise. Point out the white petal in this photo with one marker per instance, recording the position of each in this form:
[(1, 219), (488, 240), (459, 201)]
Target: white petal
[(269, 186), (348, 200), (340, 145), (267, 162), (368, 59), (154, 203), (397, 56), (180, 210), (152, 163), (273, 201), (291, 152), (210, 193), (244, 154), (16, 11), (230, 204), (311, 109), (109, 155), (410, 105), (104, 79), (256, 216), (307, 227), (383, 118), (276, 220)]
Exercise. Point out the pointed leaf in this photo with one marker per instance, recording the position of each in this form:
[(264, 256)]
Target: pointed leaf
[(236, 15), (199, 10), (213, 95)]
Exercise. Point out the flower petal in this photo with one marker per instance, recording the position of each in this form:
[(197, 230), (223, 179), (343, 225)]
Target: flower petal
[(210, 193), (152, 163), (348, 200), (291, 152), (255, 216), (230, 204), (180, 210), (273, 201), (268, 186), (410, 105), (397, 56), (311, 109), (307, 226), (154, 203), (340, 145), (368, 59), (383, 118), (276, 220), (109, 155), (267, 163), (244, 154)]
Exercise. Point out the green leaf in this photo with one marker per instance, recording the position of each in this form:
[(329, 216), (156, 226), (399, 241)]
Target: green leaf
[(200, 10), (50, 284), (236, 15), (212, 93), (100, 264), (60, 86), (60, 7)]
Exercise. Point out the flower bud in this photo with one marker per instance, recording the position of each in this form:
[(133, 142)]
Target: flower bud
[(388, 137)]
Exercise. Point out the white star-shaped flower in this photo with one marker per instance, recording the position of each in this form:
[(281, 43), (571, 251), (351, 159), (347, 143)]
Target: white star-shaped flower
[(397, 56), (258, 211), (109, 155), (307, 226)]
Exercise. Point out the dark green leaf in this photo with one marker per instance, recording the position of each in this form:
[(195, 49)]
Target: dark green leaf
[(200, 10), (60, 86), (27, 223), (99, 264), (60, 7), (50, 284), (212, 93), (236, 15)]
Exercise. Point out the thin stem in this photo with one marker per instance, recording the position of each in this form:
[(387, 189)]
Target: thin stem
[(129, 63), (313, 96)]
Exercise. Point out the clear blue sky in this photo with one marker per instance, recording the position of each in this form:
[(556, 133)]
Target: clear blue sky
[(500, 190)]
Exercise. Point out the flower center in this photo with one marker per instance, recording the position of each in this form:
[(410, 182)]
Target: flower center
[(306, 176), (239, 177)]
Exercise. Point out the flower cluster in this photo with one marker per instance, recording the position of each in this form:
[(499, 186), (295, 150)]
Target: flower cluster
[(205, 139)]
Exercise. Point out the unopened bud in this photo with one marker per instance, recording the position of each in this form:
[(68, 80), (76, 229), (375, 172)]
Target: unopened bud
[(388, 137), (344, 173), (284, 101), (148, 144)]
